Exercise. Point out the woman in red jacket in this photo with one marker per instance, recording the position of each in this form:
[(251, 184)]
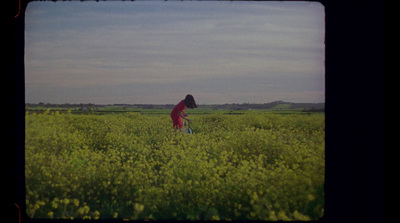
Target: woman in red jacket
[(177, 113)]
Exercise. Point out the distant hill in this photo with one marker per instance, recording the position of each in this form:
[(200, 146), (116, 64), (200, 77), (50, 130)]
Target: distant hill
[(270, 105), (275, 105)]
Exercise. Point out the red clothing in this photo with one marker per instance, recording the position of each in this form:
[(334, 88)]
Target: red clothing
[(175, 114)]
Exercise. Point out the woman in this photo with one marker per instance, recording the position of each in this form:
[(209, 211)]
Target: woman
[(177, 113)]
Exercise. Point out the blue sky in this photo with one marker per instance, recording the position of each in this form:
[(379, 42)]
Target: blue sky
[(157, 52)]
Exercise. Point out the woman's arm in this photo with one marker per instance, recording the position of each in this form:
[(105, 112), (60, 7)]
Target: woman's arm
[(183, 115)]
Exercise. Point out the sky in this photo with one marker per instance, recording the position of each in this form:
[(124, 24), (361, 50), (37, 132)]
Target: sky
[(157, 52)]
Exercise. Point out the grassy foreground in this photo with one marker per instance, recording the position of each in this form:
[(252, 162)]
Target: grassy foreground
[(257, 166)]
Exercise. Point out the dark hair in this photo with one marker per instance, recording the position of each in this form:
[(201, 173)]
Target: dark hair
[(189, 101)]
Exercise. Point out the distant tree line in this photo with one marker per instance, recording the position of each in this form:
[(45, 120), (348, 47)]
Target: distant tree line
[(233, 106)]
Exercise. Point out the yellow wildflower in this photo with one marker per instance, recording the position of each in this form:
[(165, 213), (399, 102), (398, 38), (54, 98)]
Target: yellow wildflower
[(50, 214), (76, 202)]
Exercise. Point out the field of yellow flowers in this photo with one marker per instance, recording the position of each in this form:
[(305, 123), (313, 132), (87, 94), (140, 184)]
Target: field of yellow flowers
[(254, 166)]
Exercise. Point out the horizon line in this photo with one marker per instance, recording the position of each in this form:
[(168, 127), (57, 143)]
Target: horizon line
[(171, 103)]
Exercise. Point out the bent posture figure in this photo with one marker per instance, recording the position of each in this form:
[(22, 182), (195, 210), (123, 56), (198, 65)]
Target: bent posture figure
[(177, 113)]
